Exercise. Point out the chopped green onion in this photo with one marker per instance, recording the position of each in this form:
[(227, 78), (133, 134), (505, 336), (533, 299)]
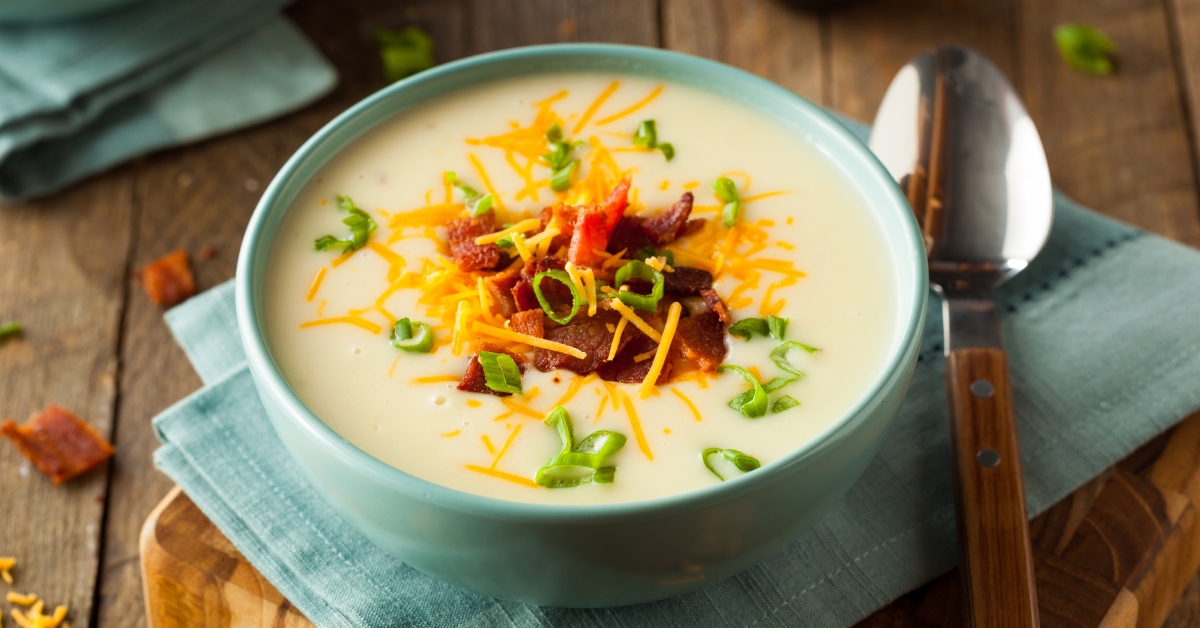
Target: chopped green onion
[(778, 382), (780, 355), (727, 192), (562, 167), (649, 252), (784, 403), (506, 242), (562, 277), (560, 179), (647, 137), (404, 52), (740, 461), (478, 204), (1085, 48), (747, 327), (403, 336), (361, 227), (643, 271), (776, 326), (11, 328), (578, 464), (500, 372), (752, 403)]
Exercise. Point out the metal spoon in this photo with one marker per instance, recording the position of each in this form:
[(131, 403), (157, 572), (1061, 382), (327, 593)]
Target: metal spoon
[(955, 135)]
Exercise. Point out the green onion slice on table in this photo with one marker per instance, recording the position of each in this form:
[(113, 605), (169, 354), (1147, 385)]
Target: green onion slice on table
[(740, 461), (578, 464), (643, 271)]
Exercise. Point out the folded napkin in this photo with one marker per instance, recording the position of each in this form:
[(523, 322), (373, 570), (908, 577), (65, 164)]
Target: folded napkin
[(77, 97), (1105, 353)]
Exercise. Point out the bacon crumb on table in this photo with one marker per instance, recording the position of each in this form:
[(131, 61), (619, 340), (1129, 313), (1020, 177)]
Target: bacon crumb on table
[(168, 280), (58, 443)]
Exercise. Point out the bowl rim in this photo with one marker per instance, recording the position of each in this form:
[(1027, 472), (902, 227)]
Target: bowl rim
[(269, 380)]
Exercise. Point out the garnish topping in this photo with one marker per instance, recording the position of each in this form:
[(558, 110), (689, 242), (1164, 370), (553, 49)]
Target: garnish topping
[(501, 372), (727, 192), (476, 203), (783, 403), (564, 278), (1085, 48), (740, 461), (562, 167), (780, 355), (415, 337), (647, 137), (11, 328), (752, 403), (650, 252), (404, 52), (578, 464), (772, 326), (643, 271), (361, 225)]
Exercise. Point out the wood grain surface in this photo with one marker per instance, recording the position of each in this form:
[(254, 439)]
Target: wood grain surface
[(995, 556), (1125, 145)]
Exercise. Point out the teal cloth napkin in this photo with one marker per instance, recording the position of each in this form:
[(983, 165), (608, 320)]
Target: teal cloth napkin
[(1105, 353), (77, 97)]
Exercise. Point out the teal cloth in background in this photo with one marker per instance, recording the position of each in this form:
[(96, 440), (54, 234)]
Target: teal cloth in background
[(78, 97), (1105, 353)]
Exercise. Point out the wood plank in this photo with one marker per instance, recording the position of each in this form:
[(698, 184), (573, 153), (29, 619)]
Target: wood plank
[(199, 196), (496, 24), (871, 41), (1119, 143), (766, 37), (62, 274)]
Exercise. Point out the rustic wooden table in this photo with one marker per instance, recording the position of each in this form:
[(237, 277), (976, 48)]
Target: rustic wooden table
[(1126, 145)]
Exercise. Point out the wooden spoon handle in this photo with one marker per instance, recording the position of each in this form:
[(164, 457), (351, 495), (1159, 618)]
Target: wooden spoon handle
[(996, 561)]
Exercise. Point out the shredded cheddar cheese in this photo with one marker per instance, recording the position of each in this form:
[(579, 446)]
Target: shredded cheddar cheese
[(616, 341), (508, 443), (504, 476), (691, 406), (6, 565), (642, 357), (352, 320), (24, 600), (316, 284), (451, 434), (637, 321), (534, 341), (487, 442), (595, 106), (636, 425), (664, 347), (638, 105), (525, 226)]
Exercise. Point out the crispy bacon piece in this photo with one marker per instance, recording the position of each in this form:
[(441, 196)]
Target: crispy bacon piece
[(58, 443), (687, 281), (667, 226), (461, 232), (626, 370), (500, 288), (714, 302), (475, 381), (529, 322), (614, 205), (556, 293), (588, 334), (692, 226), (590, 235), (168, 280), (628, 236), (562, 217), (524, 297), (701, 338)]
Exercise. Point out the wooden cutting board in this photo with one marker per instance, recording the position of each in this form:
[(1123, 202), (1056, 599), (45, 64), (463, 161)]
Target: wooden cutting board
[(1117, 553)]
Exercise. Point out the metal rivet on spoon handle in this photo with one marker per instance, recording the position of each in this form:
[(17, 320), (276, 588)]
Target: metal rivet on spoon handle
[(957, 138)]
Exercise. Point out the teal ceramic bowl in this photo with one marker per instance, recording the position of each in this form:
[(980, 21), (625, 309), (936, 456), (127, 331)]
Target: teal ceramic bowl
[(597, 555), (29, 11)]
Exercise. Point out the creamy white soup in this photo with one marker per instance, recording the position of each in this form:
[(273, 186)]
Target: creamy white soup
[(777, 308)]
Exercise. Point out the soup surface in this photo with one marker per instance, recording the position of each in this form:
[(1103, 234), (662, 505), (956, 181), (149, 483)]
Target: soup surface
[(802, 247)]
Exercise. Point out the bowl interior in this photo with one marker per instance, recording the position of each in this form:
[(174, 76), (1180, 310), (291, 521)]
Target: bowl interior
[(846, 154)]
